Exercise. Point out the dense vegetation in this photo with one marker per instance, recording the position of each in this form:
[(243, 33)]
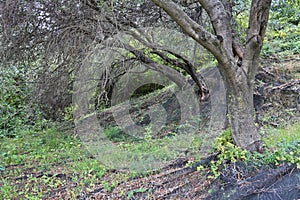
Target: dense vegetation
[(41, 157)]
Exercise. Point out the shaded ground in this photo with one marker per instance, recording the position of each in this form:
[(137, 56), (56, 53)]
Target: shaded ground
[(175, 181), (186, 183), (282, 182)]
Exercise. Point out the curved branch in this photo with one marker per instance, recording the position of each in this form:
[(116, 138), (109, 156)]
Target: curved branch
[(186, 65), (172, 74), (193, 29)]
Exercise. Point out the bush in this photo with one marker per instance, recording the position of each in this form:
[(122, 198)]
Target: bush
[(17, 111), (282, 146), (283, 35)]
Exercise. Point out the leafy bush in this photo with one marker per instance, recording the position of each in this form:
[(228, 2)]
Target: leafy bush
[(281, 146), (228, 153), (283, 35), (282, 42), (16, 108)]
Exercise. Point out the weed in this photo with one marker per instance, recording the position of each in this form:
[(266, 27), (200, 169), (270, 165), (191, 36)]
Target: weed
[(31, 153), (229, 153), (281, 146), (8, 190), (132, 192), (106, 186), (115, 134)]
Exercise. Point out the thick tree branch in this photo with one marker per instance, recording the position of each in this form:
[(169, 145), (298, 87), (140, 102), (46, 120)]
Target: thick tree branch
[(259, 15), (220, 20), (219, 45), (197, 32), (186, 65), (172, 74)]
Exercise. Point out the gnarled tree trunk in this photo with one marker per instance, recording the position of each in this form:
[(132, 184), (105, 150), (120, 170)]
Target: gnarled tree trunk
[(238, 62), (241, 115)]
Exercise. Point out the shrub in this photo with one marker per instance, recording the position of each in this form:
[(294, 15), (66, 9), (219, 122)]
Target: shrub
[(17, 109)]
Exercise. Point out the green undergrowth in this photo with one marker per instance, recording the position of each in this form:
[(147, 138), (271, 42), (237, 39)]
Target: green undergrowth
[(115, 134), (283, 34), (33, 164), (281, 146), (145, 153)]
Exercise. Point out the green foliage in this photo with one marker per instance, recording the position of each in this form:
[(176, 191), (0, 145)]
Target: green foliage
[(30, 145), (7, 190), (106, 186), (17, 110), (283, 12), (241, 15), (228, 153), (281, 146), (282, 42), (283, 35), (132, 192), (50, 152), (68, 114), (148, 151), (115, 134), (12, 100)]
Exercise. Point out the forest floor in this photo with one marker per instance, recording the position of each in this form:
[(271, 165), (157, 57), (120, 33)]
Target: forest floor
[(55, 164)]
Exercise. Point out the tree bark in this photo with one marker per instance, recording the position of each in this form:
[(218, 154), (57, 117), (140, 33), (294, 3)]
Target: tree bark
[(241, 116), (238, 74)]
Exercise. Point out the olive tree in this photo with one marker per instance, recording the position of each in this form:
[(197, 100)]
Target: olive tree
[(238, 62)]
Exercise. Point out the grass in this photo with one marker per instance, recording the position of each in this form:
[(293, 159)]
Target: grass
[(36, 165), (286, 135), (283, 145), (33, 164), (144, 154)]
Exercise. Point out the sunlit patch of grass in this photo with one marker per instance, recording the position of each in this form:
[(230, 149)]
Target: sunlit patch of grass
[(146, 154), (86, 166), (44, 147), (7, 189), (285, 136), (282, 145)]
